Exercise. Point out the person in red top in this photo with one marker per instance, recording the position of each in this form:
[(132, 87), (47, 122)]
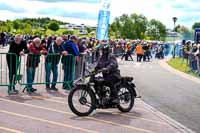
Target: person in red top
[(36, 49)]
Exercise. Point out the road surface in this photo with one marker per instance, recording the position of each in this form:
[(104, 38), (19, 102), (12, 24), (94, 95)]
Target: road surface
[(172, 94)]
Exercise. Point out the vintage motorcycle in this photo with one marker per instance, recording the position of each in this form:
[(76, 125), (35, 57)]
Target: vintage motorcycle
[(93, 94)]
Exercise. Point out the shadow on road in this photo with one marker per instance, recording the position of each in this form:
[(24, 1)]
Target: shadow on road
[(23, 99), (57, 94), (106, 116)]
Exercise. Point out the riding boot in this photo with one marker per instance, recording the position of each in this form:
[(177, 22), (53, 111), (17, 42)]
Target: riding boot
[(114, 97)]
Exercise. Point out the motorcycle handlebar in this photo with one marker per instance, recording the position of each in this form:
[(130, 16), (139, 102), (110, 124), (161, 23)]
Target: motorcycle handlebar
[(94, 72)]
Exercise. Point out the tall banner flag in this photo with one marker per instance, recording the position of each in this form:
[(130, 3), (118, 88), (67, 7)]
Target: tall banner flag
[(103, 20)]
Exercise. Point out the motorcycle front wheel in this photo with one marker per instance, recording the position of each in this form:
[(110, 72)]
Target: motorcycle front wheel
[(81, 101), (127, 99)]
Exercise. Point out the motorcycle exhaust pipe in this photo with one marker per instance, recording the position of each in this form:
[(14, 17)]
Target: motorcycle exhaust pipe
[(138, 97)]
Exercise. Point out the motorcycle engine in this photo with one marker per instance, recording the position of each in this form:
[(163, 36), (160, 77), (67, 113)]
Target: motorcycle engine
[(106, 91)]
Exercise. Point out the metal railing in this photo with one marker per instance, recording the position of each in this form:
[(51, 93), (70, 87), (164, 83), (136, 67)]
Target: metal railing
[(37, 69), (48, 69), (87, 60), (8, 69)]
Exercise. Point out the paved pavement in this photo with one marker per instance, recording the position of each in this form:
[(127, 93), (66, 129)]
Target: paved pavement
[(172, 93), (47, 112)]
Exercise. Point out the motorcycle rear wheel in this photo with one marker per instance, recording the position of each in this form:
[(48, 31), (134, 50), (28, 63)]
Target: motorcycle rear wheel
[(126, 96)]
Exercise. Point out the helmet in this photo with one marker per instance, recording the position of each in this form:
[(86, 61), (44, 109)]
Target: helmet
[(105, 50)]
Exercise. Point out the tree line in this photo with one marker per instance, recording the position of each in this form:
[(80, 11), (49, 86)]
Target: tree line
[(134, 26), (31, 26), (137, 26)]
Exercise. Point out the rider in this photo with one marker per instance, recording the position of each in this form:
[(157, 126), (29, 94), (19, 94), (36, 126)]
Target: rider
[(111, 73)]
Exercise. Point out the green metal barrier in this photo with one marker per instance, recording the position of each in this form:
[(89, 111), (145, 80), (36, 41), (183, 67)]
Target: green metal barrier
[(8, 70), (79, 68), (34, 70)]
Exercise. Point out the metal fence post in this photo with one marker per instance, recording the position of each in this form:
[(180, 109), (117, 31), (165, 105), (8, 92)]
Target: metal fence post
[(8, 69)]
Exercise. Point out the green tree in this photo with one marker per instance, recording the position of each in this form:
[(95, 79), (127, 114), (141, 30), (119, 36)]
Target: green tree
[(9, 26), (54, 26), (156, 30), (26, 25), (115, 28), (126, 27), (177, 28), (27, 28), (185, 32), (16, 24), (89, 29), (140, 25), (68, 32), (196, 25), (2, 25), (131, 27), (182, 29)]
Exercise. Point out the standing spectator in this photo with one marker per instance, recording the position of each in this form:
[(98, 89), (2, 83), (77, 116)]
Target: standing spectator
[(2, 39), (69, 47), (89, 44), (82, 50), (198, 59), (48, 41), (127, 52), (98, 47), (133, 45), (6, 39), (45, 41), (17, 47), (186, 51), (66, 38), (33, 60), (146, 52), (82, 46), (160, 52), (139, 52), (174, 50), (193, 59), (52, 62)]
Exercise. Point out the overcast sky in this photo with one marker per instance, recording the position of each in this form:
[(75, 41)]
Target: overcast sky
[(86, 11)]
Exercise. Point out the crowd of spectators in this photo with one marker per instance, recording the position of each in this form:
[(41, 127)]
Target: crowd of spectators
[(56, 49), (191, 53)]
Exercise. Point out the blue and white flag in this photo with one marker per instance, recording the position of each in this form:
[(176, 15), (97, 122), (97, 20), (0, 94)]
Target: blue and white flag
[(103, 20)]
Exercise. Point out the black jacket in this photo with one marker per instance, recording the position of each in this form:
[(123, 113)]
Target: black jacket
[(16, 49), (111, 64), (54, 54)]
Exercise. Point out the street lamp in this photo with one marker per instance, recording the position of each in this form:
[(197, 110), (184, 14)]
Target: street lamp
[(174, 20)]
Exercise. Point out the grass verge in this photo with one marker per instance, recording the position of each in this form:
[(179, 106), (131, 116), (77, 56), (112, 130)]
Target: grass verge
[(181, 65)]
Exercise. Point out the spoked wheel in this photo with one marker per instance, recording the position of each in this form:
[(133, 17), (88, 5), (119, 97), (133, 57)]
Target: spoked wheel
[(81, 101), (127, 99)]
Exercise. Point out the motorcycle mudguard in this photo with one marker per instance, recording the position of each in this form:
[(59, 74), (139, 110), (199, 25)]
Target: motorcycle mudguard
[(132, 85), (86, 86)]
